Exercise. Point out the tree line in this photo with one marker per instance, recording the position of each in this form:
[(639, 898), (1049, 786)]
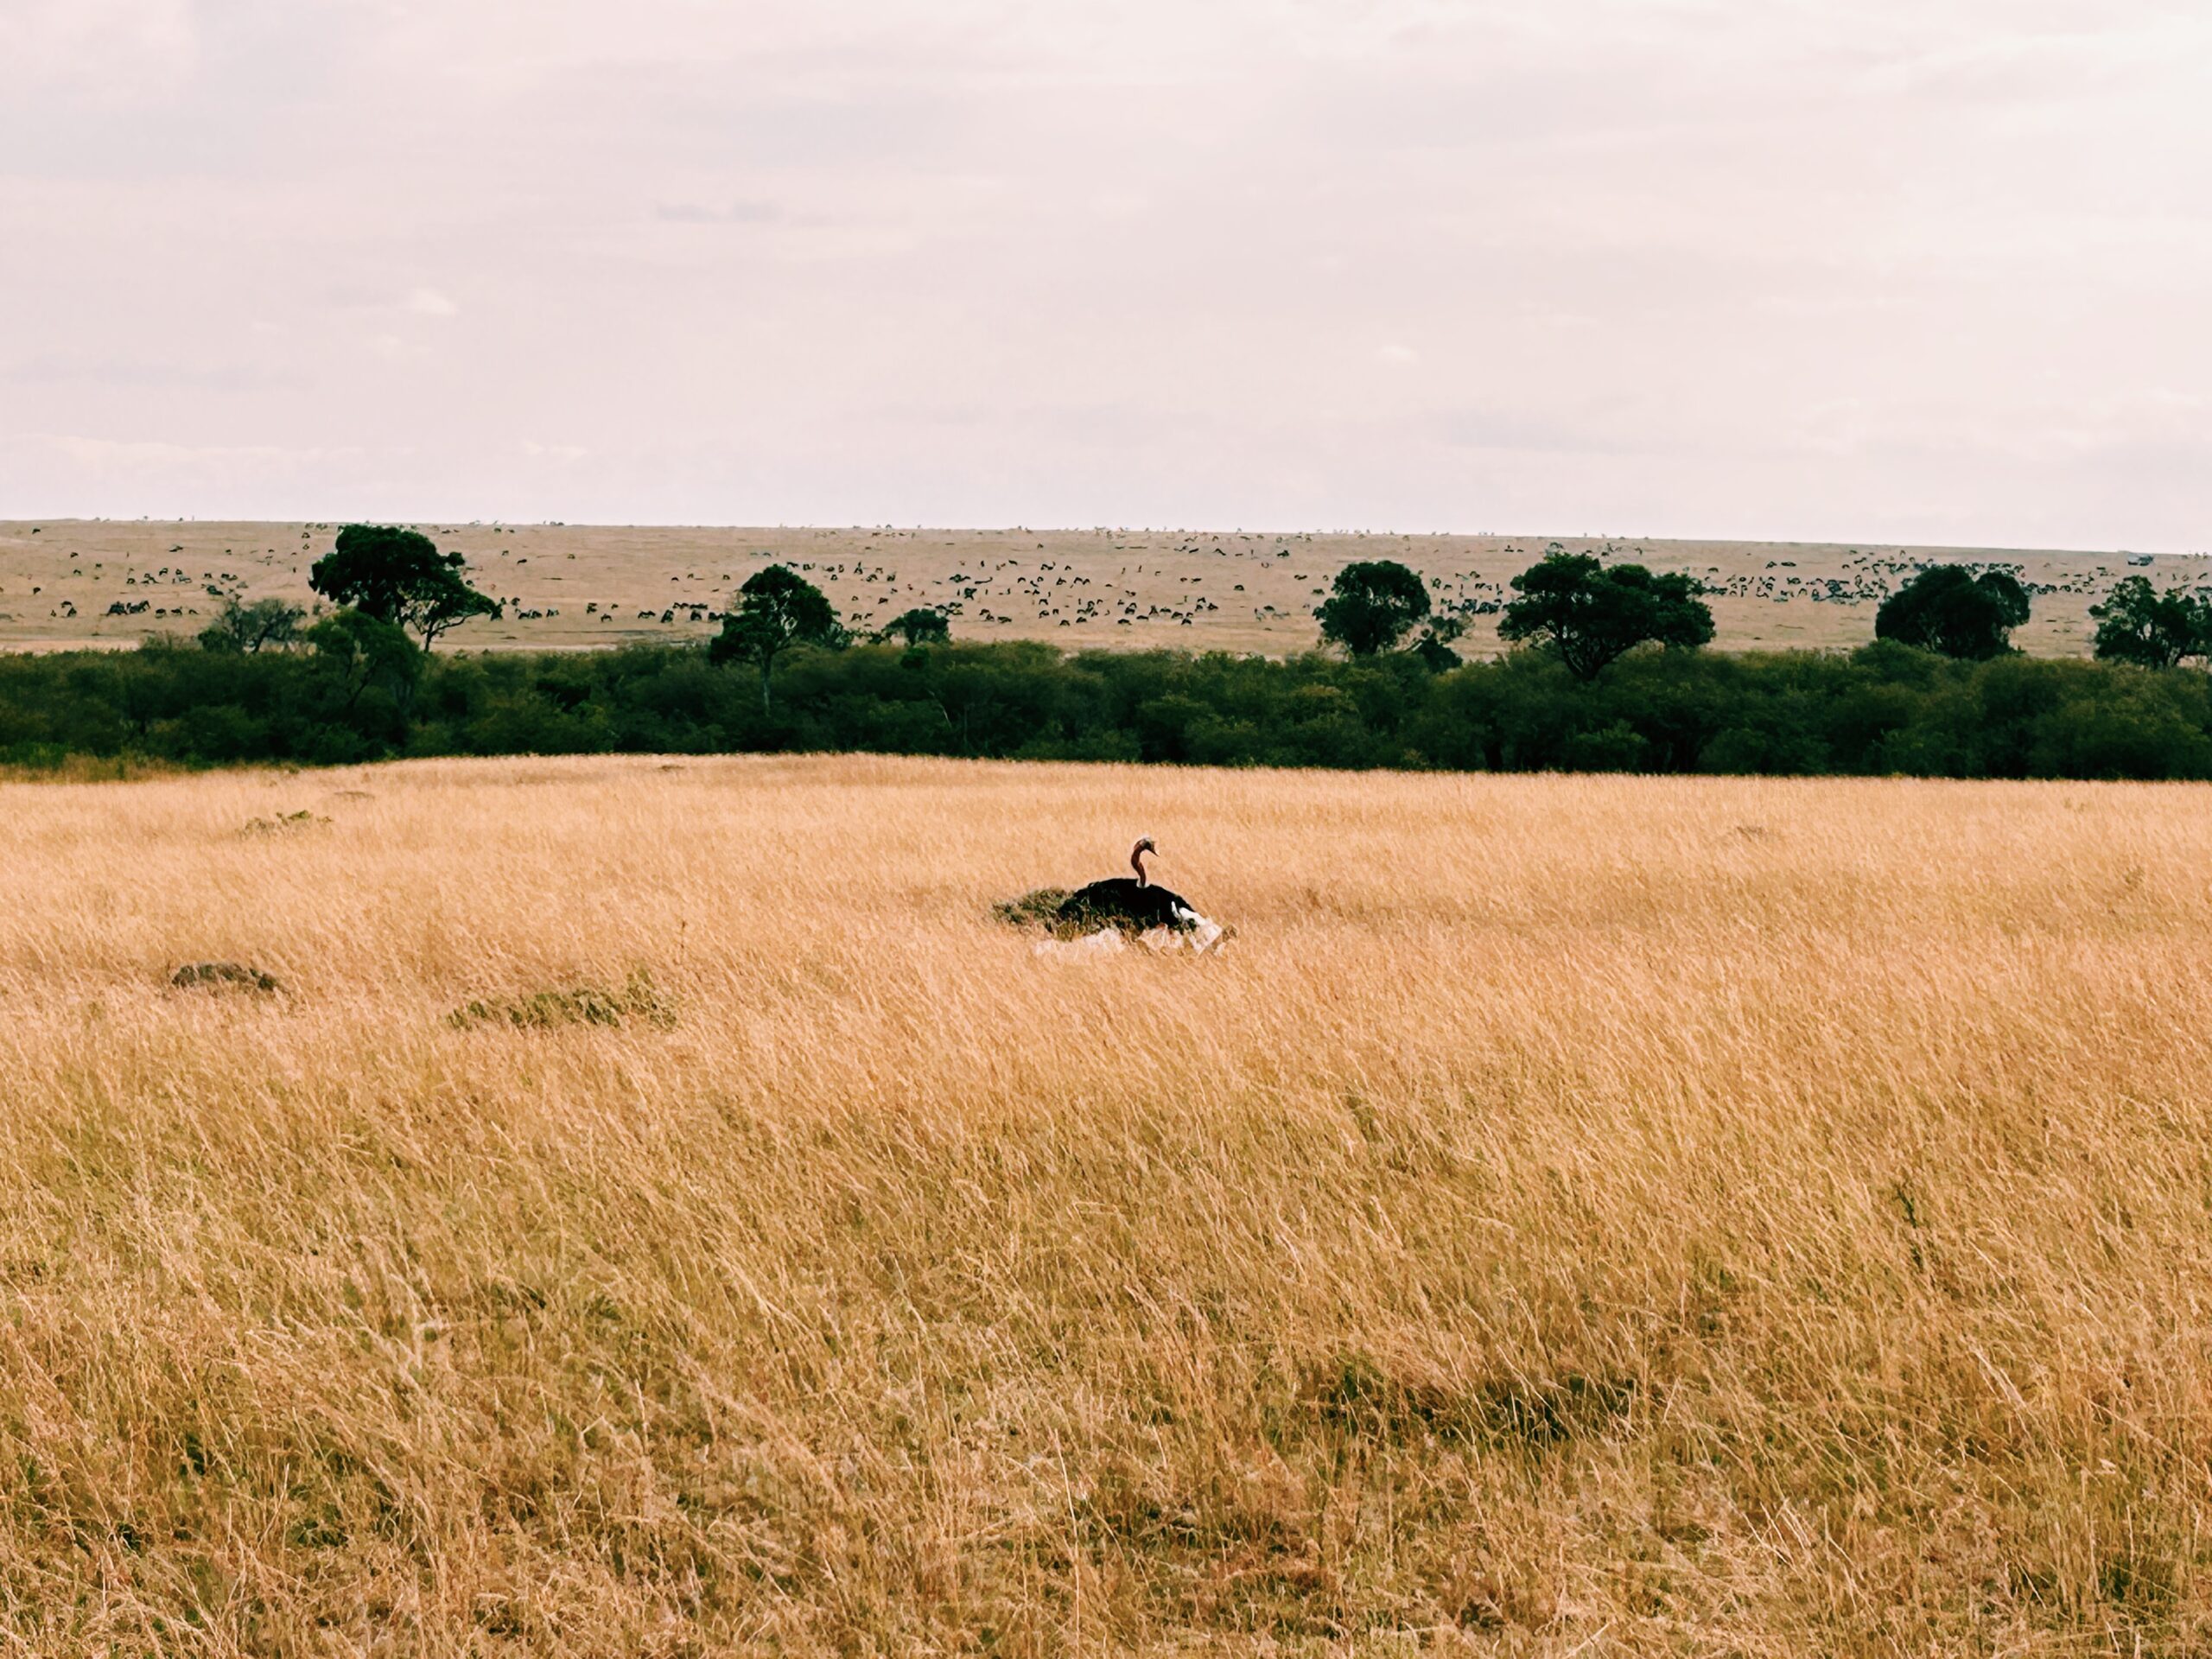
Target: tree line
[(1611, 676)]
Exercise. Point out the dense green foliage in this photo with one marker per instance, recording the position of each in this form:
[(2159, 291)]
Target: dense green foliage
[(1948, 608), (399, 577), (919, 626), (364, 691), (241, 626), (2138, 624), (777, 609), (1590, 615), (1371, 607)]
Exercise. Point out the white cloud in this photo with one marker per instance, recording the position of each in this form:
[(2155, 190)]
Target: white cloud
[(428, 303)]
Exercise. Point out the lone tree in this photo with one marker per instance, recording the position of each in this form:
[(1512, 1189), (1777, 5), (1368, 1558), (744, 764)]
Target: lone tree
[(1373, 605), (399, 577), (1950, 609), (919, 627), (777, 609), (2139, 624), (1590, 613), (249, 627)]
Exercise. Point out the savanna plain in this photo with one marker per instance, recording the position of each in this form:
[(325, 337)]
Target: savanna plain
[(660, 1210), (107, 584)]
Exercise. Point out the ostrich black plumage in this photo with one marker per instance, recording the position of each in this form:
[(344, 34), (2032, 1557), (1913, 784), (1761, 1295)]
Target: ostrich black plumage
[(1131, 905)]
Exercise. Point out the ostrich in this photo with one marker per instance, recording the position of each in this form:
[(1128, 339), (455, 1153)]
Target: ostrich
[(1130, 906)]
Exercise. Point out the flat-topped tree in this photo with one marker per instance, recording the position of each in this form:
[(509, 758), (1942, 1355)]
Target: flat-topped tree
[(777, 609), (1590, 613), (398, 575), (919, 626), (247, 628), (448, 602)]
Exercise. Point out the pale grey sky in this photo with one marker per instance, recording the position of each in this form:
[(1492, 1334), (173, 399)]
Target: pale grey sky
[(1906, 269)]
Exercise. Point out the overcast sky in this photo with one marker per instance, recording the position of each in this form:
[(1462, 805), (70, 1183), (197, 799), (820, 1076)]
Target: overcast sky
[(1936, 270)]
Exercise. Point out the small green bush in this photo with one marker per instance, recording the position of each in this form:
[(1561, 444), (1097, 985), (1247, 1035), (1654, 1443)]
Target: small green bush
[(1038, 908)]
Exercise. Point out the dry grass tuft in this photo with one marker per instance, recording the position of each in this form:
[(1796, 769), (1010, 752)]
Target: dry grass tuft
[(1569, 1223), (283, 823), (1039, 907), (587, 1005), (222, 976)]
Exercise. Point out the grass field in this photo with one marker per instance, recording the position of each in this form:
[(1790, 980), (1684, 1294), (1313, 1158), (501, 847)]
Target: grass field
[(661, 1213), (567, 586)]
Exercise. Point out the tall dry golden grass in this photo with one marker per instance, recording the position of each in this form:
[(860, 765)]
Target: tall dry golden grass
[(1576, 1217)]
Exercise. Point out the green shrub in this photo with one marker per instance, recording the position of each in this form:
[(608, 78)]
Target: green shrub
[(365, 693)]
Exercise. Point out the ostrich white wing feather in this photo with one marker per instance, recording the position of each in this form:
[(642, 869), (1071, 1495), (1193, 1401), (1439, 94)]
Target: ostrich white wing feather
[(1200, 935), (1106, 941), (1197, 934)]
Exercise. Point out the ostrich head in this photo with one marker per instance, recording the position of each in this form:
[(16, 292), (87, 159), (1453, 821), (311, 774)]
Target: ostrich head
[(1136, 858)]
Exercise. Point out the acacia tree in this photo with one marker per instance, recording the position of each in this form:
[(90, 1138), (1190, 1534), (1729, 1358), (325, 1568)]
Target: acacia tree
[(777, 609), (249, 627), (447, 601), (398, 575), (919, 626), (1950, 609), (2139, 624), (1373, 604), (1589, 614)]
